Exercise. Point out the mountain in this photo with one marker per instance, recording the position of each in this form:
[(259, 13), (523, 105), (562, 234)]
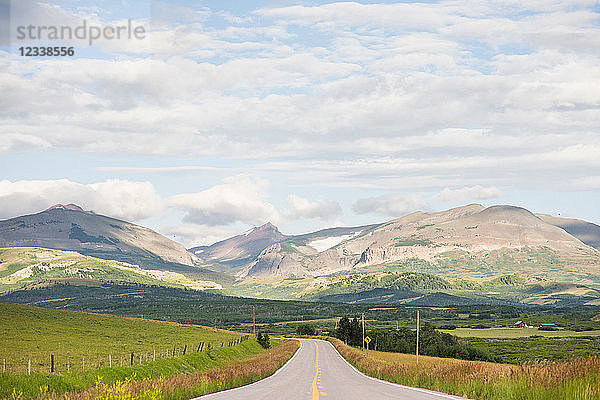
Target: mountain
[(587, 232), (69, 227), (466, 241), (239, 250)]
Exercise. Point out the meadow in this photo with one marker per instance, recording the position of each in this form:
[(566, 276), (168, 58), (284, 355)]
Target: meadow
[(225, 359), (511, 333), (575, 379), (32, 333)]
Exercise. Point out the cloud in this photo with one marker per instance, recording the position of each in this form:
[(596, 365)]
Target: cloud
[(304, 208), (115, 198), (476, 192), (12, 143), (240, 199), (394, 205), (192, 235)]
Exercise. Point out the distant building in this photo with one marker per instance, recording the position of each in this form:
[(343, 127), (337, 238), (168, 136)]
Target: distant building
[(520, 324), (547, 325)]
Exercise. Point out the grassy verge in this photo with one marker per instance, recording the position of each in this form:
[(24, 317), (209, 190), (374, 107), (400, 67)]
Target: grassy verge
[(576, 379), (175, 378)]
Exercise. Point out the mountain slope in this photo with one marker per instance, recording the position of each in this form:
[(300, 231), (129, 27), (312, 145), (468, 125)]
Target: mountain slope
[(469, 241), (587, 232), (239, 250), (27, 267), (70, 228)]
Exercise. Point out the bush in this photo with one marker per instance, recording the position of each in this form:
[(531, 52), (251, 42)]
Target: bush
[(305, 329), (263, 340)]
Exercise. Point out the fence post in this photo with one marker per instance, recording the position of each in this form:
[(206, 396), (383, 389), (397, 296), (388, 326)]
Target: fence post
[(140, 359), (174, 351), (29, 366), (184, 349), (4, 365), (154, 356), (52, 363), (68, 364), (83, 364), (131, 364), (109, 361), (121, 356)]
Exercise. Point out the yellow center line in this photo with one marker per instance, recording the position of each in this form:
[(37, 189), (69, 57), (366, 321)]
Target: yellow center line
[(314, 386)]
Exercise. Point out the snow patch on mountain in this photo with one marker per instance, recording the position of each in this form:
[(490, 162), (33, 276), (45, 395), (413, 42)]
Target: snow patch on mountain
[(327, 243)]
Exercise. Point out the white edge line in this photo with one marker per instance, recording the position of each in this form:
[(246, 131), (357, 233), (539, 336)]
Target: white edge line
[(447, 396), (258, 381)]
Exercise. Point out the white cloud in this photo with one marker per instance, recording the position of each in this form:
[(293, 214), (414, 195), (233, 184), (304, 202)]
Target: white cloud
[(394, 205), (192, 235), (115, 198), (304, 208), (240, 199), (12, 143), (476, 192)]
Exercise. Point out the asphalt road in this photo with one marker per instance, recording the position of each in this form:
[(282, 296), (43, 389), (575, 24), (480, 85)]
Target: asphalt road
[(317, 371)]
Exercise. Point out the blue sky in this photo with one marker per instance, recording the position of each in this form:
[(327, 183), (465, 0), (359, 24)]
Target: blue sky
[(306, 114)]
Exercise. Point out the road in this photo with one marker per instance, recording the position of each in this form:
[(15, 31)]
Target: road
[(317, 371)]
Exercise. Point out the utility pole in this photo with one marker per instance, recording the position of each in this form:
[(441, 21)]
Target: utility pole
[(417, 337), (363, 329), (253, 322)]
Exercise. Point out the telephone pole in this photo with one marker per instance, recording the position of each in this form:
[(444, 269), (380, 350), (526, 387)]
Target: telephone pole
[(417, 337), (253, 322), (363, 329)]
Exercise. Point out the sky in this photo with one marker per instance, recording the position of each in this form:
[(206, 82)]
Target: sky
[(307, 114)]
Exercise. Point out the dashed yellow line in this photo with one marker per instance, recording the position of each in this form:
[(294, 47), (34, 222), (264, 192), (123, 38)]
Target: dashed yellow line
[(315, 388)]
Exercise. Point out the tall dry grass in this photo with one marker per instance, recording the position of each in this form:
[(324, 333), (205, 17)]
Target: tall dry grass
[(578, 379)]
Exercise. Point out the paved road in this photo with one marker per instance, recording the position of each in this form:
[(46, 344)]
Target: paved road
[(317, 371)]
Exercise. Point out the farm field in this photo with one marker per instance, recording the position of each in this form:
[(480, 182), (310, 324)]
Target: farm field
[(508, 333)]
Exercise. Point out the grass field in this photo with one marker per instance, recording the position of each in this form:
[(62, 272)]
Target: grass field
[(509, 333), (36, 333), (26, 332), (567, 380)]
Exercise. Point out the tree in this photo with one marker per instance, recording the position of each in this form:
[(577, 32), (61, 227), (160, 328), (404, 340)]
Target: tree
[(263, 340), (305, 329)]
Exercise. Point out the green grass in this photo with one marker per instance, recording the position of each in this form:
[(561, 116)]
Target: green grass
[(36, 333), (30, 386), (31, 332)]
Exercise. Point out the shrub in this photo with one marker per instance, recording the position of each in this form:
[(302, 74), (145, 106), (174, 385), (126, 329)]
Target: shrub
[(263, 340)]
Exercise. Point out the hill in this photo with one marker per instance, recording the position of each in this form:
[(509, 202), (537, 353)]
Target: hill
[(71, 228), (27, 267), (78, 334)]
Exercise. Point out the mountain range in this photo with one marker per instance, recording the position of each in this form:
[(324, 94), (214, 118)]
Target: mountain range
[(462, 255)]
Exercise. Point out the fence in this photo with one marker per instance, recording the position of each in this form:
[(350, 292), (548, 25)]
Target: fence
[(63, 364)]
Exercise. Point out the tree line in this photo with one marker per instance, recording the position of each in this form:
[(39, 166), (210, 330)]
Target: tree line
[(403, 340)]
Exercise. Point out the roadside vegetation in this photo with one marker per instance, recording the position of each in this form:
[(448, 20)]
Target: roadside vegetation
[(224, 360), (575, 379)]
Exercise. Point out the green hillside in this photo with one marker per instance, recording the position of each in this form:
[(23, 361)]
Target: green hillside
[(36, 333), (22, 267)]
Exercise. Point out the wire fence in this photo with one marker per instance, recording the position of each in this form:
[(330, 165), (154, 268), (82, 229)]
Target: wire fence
[(63, 364)]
